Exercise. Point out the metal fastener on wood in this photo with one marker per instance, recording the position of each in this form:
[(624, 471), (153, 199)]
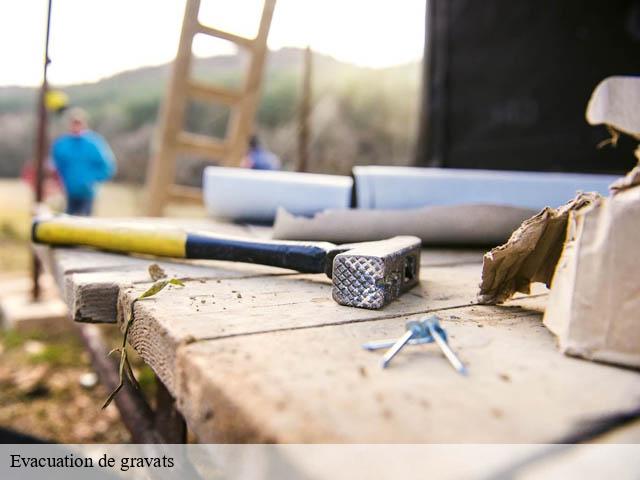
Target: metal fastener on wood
[(420, 332)]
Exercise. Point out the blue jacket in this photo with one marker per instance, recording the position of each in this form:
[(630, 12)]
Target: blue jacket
[(82, 161), (262, 159)]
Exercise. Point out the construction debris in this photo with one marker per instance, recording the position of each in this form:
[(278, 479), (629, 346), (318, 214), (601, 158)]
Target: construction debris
[(593, 269), (594, 303), (530, 255)]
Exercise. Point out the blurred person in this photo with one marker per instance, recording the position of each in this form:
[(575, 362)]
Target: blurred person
[(259, 158), (82, 158)]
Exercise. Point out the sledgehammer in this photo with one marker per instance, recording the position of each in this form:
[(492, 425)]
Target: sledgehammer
[(365, 275)]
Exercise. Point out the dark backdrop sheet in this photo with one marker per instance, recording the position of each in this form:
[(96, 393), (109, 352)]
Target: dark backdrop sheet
[(508, 82)]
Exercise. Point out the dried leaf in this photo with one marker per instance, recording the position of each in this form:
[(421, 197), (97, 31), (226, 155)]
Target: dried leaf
[(156, 272), (155, 288)]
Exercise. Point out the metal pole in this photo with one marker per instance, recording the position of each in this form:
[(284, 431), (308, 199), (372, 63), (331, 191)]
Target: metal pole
[(42, 146)]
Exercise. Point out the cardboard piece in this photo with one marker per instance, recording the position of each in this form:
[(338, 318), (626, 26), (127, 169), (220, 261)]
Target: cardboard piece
[(530, 255), (593, 271), (437, 225), (616, 102), (594, 305)]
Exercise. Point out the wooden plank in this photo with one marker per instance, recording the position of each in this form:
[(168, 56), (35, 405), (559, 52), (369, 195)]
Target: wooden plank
[(230, 37), (212, 93), (200, 145), (90, 281), (221, 308), (185, 193), (92, 297), (318, 385)]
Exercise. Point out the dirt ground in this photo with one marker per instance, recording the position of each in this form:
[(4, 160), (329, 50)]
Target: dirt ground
[(40, 373), (41, 392)]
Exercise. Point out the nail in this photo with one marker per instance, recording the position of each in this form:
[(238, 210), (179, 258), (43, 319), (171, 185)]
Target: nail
[(384, 344), (444, 346), (393, 351)]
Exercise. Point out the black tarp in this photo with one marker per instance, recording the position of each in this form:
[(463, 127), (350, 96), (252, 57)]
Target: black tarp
[(507, 82)]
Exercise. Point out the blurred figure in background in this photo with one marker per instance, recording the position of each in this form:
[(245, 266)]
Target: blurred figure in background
[(82, 158), (260, 158)]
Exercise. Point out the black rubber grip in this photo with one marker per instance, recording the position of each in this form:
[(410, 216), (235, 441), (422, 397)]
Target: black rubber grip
[(303, 257)]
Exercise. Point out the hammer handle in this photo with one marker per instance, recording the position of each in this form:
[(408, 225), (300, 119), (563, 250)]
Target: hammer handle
[(160, 240)]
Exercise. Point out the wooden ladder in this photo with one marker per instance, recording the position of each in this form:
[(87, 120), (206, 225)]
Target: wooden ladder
[(172, 140)]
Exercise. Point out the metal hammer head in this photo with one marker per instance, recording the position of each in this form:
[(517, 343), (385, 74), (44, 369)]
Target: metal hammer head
[(372, 274)]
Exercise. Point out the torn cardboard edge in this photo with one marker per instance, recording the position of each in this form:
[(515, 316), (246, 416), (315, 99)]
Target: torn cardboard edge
[(594, 305), (531, 253), (586, 252)]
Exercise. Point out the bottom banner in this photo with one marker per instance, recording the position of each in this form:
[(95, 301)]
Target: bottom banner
[(335, 462)]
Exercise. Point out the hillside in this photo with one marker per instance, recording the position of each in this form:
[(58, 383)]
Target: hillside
[(360, 115)]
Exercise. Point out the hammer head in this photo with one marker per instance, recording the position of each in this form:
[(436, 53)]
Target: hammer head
[(372, 274)]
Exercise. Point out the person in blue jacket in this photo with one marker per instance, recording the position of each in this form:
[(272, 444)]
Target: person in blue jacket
[(259, 158), (83, 159)]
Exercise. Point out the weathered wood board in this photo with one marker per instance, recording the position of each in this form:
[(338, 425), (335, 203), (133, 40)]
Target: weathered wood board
[(92, 293), (318, 385), (255, 353), (210, 309), (90, 281)]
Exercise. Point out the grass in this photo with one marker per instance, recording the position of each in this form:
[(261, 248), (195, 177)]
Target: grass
[(41, 394), (58, 350)]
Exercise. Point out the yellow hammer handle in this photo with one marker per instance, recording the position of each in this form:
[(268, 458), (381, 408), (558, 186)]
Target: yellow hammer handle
[(111, 235)]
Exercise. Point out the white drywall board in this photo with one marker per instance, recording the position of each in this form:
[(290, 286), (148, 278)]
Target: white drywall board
[(408, 187), (244, 194)]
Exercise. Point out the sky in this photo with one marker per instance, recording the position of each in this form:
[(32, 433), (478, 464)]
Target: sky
[(93, 39)]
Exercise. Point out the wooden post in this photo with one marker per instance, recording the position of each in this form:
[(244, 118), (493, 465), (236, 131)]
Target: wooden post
[(305, 112), (42, 146), (168, 421), (134, 410)]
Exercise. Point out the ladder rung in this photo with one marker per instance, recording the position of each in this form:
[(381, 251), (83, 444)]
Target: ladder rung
[(231, 37), (182, 192), (201, 145), (212, 93)]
